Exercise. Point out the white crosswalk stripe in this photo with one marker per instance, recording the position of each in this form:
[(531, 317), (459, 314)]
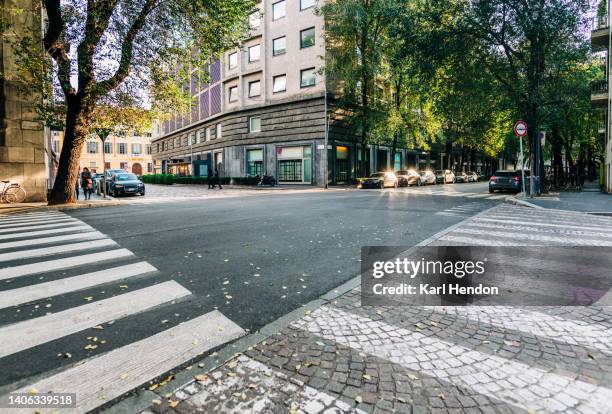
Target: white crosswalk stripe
[(69, 246), (41, 291), (108, 376), (65, 248), (24, 335)]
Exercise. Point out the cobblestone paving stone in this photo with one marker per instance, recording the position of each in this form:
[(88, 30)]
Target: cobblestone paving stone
[(345, 358)]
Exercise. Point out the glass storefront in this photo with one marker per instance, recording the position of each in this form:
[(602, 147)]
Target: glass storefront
[(254, 162), (343, 164), (397, 162), (294, 164)]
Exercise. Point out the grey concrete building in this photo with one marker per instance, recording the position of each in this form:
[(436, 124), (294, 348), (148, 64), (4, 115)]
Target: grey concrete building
[(23, 157), (263, 110)]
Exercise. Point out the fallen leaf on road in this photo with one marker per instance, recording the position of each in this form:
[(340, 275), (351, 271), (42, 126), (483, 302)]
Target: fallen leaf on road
[(32, 391), (441, 396), (88, 298), (358, 399), (232, 364), (99, 327), (201, 377), (173, 403), (366, 376), (231, 374), (123, 375), (156, 402), (413, 377)]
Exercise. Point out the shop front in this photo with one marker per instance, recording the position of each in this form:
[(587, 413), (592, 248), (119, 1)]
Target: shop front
[(294, 164)]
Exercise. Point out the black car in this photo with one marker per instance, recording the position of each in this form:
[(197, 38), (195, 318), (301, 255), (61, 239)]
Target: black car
[(507, 180), (109, 175), (125, 183)]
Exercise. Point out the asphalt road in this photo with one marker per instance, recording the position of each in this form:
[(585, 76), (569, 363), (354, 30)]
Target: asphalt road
[(253, 258)]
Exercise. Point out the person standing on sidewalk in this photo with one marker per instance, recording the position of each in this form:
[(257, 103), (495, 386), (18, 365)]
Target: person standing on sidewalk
[(217, 178), (210, 179), (87, 183), (76, 187)]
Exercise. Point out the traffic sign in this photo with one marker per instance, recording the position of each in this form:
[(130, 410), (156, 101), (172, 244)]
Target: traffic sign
[(520, 128)]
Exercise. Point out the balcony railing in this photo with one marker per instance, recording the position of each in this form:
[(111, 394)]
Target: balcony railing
[(600, 22), (599, 87)]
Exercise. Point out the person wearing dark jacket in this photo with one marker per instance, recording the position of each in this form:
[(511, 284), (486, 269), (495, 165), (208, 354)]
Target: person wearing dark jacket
[(210, 179), (87, 183)]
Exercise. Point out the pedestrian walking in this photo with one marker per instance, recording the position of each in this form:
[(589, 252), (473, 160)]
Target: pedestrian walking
[(217, 178), (76, 187), (87, 183), (210, 179)]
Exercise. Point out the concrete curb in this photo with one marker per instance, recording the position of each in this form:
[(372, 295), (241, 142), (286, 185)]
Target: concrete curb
[(141, 399), (515, 200), (61, 207)]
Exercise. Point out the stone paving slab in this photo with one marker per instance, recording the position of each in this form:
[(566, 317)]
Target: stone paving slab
[(346, 358)]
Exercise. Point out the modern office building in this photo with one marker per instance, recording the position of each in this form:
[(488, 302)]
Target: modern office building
[(128, 151), (23, 155), (266, 108), (601, 42)]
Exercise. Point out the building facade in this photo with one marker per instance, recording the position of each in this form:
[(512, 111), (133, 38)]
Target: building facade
[(265, 109), (23, 155), (601, 42), (128, 151)]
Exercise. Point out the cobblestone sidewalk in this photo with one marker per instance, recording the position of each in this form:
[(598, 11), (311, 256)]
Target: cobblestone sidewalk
[(344, 358)]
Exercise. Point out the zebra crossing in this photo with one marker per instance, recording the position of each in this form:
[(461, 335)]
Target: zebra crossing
[(353, 359), (463, 210), (452, 192), (50, 258)]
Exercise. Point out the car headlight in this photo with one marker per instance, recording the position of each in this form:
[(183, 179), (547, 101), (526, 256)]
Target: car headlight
[(118, 185)]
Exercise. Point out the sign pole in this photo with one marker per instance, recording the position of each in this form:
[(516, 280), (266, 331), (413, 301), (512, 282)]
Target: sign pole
[(523, 168)]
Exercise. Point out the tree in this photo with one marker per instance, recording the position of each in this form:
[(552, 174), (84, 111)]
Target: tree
[(355, 35), (121, 53)]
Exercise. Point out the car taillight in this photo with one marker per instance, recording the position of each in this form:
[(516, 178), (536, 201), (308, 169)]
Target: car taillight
[(493, 178)]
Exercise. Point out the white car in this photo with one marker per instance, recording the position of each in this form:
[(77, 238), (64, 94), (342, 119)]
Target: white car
[(472, 177), (445, 176)]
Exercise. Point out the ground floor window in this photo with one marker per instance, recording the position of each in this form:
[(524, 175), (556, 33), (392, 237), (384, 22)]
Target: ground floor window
[(294, 164), (343, 165), (254, 162), (290, 170), (397, 161)]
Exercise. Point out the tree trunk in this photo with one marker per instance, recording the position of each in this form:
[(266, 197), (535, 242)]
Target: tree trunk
[(64, 187)]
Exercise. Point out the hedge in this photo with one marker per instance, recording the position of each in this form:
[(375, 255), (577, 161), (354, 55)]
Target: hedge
[(170, 179)]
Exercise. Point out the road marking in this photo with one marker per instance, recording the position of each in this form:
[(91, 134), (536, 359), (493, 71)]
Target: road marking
[(446, 356), (38, 222), (106, 377), (45, 290), (47, 240), (24, 335), (45, 232), (17, 230), (479, 195), (66, 263), (48, 251), (496, 197), (533, 223), (20, 218)]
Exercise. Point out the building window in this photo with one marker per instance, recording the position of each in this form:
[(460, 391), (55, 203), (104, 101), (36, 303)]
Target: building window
[(136, 134), (279, 46), (177, 142), (190, 140), (279, 83), (149, 167), (56, 145), (307, 77), (136, 149), (108, 147), (254, 20), (92, 147), (123, 165), (197, 137), (254, 89), (306, 4), (148, 149), (255, 124), (122, 148), (254, 162), (232, 94), (307, 38), (233, 60), (218, 131), (92, 166), (157, 147), (207, 134), (254, 53), (278, 10)]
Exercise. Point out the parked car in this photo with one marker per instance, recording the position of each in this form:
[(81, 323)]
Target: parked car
[(124, 184), (445, 176), (507, 180), (428, 177), (380, 180), (472, 177), (109, 173), (461, 177), (408, 177)]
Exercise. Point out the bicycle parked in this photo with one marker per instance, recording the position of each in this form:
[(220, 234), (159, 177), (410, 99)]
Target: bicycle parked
[(12, 193)]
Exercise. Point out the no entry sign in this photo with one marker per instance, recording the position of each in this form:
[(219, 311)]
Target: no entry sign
[(520, 128)]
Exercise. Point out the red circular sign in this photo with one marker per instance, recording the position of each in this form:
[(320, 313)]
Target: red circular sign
[(520, 128)]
